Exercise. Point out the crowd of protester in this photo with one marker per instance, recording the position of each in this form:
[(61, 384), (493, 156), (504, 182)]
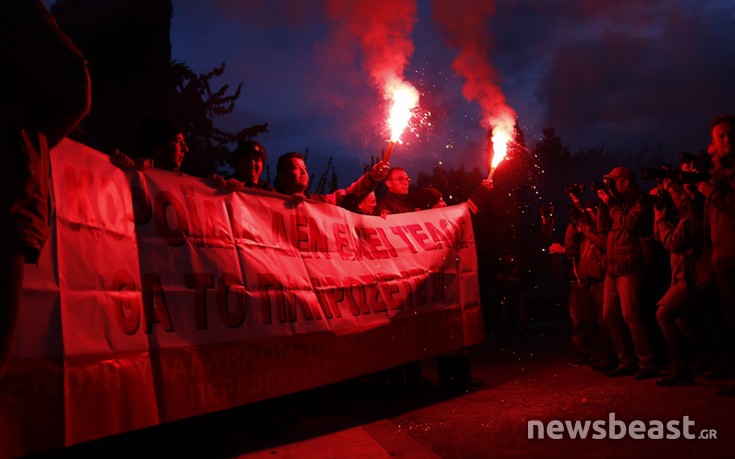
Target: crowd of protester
[(625, 320)]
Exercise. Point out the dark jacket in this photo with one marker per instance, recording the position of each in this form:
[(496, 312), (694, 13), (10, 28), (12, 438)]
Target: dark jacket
[(261, 185), (684, 240), (394, 204), (721, 212), (632, 222)]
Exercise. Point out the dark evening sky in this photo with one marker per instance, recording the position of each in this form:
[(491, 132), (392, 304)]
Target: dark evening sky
[(620, 73)]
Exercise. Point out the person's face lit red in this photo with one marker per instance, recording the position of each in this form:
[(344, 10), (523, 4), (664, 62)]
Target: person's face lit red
[(250, 166), (723, 139), (368, 205), (398, 182), (170, 156), (297, 176)]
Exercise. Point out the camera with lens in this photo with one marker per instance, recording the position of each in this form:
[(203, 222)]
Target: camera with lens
[(674, 174), (700, 163), (662, 200), (574, 188), (604, 185)]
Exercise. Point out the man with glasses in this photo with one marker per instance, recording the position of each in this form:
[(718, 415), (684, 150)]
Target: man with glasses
[(396, 200)]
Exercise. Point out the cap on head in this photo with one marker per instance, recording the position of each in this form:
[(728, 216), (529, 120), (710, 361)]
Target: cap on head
[(426, 198), (621, 172), (249, 147)]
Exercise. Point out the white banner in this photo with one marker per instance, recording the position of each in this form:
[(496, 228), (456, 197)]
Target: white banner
[(159, 297)]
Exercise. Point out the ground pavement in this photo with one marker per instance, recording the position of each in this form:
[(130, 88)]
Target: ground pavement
[(524, 379)]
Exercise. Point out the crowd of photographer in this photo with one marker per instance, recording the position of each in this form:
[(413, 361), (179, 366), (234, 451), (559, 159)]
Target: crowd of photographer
[(652, 275)]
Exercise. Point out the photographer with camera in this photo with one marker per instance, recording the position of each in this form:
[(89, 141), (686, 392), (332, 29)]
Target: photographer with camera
[(583, 250), (624, 289), (570, 249), (591, 270), (678, 224), (719, 192)]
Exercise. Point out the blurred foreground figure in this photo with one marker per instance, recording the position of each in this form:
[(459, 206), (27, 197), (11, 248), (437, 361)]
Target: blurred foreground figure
[(46, 93), (720, 211)]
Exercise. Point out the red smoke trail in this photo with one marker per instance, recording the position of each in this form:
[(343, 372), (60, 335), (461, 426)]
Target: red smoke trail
[(383, 29), (465, 25)]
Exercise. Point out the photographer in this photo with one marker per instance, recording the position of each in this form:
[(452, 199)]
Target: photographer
[(720, 211), (624, 289), (678, 225), (591, 271), (572, 241)]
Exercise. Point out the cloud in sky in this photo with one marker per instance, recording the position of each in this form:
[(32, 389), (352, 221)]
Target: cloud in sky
[(619, 73)]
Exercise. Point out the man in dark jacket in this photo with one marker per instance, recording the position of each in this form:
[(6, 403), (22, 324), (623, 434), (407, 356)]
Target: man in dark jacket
[(631, 213), (397, 200)]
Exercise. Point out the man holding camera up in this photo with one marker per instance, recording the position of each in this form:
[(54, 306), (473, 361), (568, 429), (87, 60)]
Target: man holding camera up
[(678, 213), (570, 249), (632, 220), (584, 244), (720, 210)]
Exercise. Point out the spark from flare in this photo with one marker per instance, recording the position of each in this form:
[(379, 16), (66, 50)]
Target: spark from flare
[(465, 28), (382, 29)]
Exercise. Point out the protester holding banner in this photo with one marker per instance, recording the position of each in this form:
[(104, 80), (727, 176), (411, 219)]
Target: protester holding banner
[(428, 198), (366, 206), (46, 95), (397, 200), (454, 369), (293, 179), (161, 145), (248, 160)]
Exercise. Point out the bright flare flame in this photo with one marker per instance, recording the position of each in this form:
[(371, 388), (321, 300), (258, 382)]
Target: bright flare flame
[(403, 99), (501, 138)]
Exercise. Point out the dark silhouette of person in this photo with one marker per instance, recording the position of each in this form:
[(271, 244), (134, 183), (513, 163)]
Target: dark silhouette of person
[(719, 192), (46, 94), (161, 144)]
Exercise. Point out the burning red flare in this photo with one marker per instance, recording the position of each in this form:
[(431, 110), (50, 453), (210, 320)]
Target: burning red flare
[(502, 136), (403, 99)]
